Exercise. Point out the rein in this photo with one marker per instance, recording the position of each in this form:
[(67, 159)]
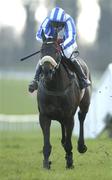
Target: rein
[(59, 49), (33, 54), (42, 86)]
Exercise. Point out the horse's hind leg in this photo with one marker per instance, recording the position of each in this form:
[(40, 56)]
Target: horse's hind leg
[(84, 106), (45, 125), (81, 145)]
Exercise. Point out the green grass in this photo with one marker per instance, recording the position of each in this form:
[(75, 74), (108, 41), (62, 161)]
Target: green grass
[(15, 99), (21, 158)]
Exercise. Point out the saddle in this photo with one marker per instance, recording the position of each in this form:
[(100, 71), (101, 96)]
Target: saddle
[(77, 71), (68, 65)]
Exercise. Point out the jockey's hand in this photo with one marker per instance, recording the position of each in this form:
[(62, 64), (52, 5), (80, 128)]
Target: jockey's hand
[(59, 41), (32, 86)]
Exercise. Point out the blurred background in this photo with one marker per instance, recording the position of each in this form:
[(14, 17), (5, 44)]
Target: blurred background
[(20, 19), (19, 22)]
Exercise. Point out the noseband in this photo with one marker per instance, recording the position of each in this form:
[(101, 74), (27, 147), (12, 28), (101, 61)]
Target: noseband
[(47, 58)]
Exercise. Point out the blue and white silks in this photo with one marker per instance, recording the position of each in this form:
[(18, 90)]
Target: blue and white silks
[(69, 31)]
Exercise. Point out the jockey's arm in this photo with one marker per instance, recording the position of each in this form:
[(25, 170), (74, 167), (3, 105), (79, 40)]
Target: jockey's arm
[(60, 41), (70, 33), (45, 27)]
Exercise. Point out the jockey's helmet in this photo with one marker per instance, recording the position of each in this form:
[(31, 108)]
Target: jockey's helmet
[(57, 17)]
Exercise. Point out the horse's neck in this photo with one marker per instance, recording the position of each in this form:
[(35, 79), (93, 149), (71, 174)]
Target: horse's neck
[(60, 79)]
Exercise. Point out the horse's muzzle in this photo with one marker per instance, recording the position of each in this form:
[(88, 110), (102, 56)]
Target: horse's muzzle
[(48, 76)]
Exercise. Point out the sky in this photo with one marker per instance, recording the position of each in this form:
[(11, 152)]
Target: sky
[(13, 14)]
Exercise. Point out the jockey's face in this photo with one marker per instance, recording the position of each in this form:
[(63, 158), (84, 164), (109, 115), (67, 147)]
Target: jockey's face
[(58, 25)]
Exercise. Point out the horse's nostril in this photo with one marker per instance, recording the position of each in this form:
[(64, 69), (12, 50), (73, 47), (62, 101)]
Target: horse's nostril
[(48, 75)]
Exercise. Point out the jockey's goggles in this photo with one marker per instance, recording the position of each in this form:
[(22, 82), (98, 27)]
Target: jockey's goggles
[(57, 24)]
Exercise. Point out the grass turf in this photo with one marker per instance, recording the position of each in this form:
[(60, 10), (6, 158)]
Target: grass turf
[(15, 99), (21, 157)]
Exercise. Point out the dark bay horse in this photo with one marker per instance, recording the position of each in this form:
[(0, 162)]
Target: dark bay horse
[(58, 98)]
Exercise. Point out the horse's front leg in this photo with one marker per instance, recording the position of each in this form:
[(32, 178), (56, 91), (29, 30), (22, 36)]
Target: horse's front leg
[(63, 134), (45, 125), (81, 145), (68, 144)]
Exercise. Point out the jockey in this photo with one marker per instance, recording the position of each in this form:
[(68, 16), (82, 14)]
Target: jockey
[(66, 28)]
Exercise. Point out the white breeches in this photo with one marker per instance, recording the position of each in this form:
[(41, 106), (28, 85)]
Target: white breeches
[(68, 51)]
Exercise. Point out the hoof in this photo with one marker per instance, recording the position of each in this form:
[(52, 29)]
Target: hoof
[(69, 161), (46, 164), (70, 166), (82, 148)]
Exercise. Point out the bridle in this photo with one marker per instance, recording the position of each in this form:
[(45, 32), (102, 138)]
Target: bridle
[(58, 51), (42, 84)]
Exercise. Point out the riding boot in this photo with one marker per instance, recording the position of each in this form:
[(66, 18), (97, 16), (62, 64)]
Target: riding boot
[(34, 84), (83, 81)]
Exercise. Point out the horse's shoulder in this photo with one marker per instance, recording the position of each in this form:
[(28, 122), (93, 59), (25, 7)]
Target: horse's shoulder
[(67, 69), (83, 64), (72, 75)]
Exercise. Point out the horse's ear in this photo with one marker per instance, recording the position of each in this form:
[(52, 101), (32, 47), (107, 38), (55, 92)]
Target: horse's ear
[(43, 36)]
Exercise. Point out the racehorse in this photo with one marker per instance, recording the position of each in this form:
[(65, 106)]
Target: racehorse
[(58, 98)]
